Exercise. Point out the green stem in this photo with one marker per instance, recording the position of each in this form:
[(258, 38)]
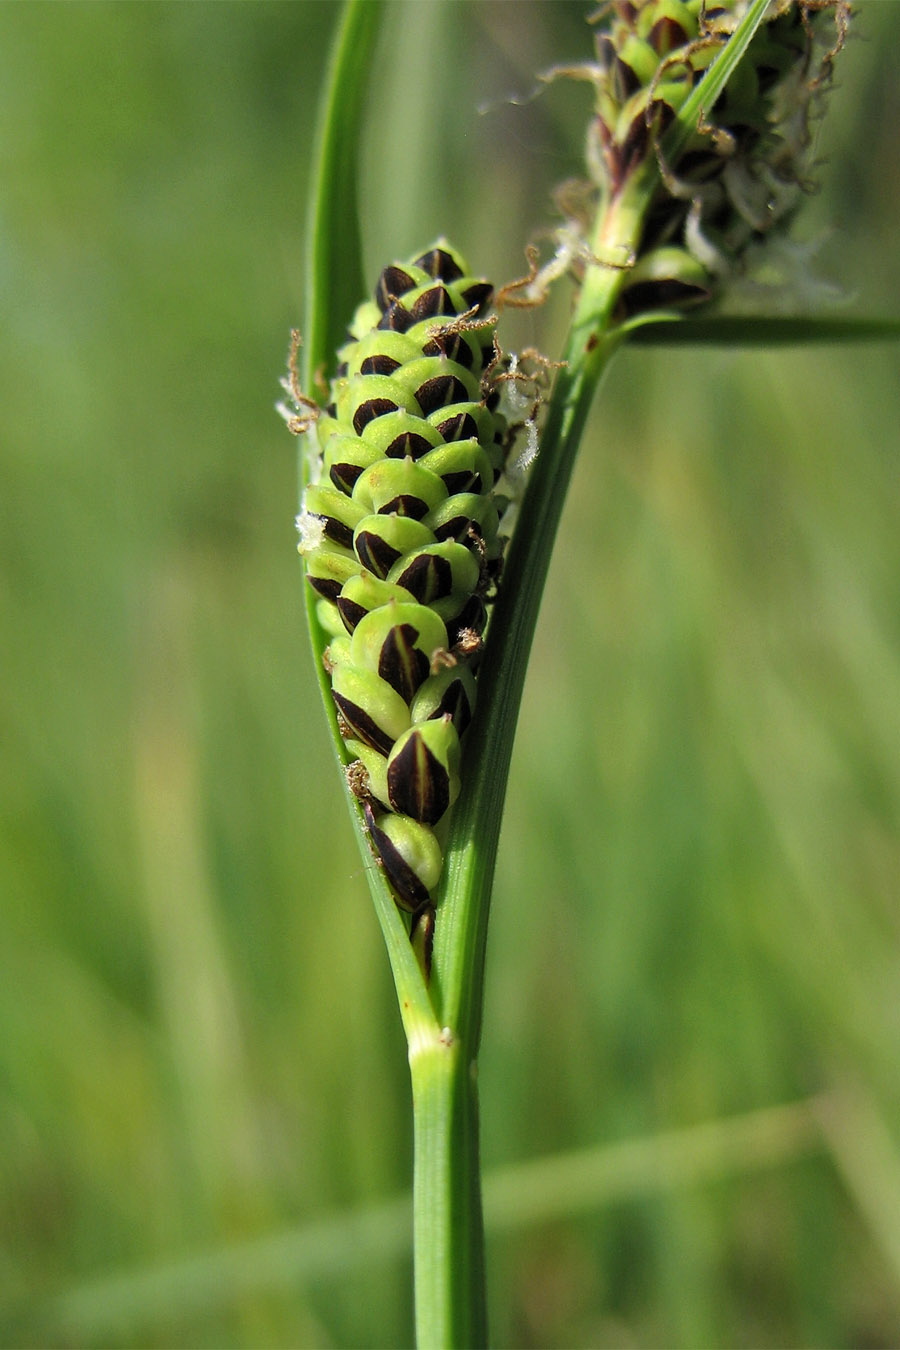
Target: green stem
[(448, 1243)]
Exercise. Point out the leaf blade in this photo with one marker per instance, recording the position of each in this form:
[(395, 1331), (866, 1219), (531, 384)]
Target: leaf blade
[(333, 272), (671, 330), (705, 93)]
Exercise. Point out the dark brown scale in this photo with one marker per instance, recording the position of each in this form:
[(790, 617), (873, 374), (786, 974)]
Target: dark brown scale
[(466, 480), (325, 586), (667, 34), (633, 146), (422, 934), (331, 410), (405, 504), (436, 300), (439, 392), (407, 887), (374, 553), (438, 264), (470, 619), (624, 80), (418, 783), (379, 365), (401, 662), (659, 295), (478, 294), (461, 427), (460, 528), (393, 281), (362, 725), (455, 704), (344, 476), (337, 530), (427, 577), (396, 318), (350, 612), (368, 411), (408, 443), (451, 345), (341, 371)]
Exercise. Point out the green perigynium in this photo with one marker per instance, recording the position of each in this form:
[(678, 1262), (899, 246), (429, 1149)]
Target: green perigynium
[(400, 534)]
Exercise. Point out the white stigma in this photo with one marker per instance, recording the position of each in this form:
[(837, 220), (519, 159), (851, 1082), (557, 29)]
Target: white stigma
[(311, 530)]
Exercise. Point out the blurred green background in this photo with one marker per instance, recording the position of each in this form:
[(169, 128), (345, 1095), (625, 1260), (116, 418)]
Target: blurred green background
[(204, 1109)]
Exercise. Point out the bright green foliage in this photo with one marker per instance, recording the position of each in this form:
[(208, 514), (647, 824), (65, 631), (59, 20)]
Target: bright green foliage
[(695, 912)]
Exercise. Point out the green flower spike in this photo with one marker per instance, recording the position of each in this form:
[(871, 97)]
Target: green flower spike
[(400, 533)]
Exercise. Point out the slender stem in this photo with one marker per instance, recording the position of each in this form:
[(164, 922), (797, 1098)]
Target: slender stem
[(448, 1239)]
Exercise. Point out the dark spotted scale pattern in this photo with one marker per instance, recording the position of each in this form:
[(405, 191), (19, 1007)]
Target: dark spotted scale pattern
[(400, 534)]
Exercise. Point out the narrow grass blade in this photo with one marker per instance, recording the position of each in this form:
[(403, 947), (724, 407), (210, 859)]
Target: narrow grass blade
[(674, 330), (705, 93), (333, 272)]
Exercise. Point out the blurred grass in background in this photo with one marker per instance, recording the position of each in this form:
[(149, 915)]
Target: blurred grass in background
[(696, 910)]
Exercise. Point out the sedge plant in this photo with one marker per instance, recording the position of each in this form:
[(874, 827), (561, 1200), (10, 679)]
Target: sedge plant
[(425, 528)]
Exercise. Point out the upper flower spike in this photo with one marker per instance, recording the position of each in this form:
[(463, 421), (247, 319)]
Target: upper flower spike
[(746, 165)]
